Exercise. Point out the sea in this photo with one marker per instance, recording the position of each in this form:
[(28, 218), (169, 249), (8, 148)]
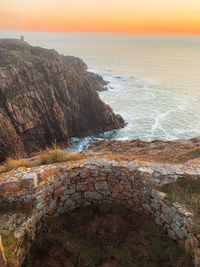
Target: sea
[(154, 80)]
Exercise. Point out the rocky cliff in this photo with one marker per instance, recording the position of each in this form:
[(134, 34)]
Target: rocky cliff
[(46, 97)]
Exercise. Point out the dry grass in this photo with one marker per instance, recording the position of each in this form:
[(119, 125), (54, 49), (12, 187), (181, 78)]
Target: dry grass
[(188, 155), (48, 156), (55, 155), (150, 155), (13, 164), (155, 151), (187, 192)]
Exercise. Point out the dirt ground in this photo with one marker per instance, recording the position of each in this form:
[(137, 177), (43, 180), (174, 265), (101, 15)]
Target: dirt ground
[(104, 236)]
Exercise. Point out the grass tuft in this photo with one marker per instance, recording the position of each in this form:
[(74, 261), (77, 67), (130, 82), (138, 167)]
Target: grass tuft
[(55, 155), (13, 164), (48, 156), (185, 191)]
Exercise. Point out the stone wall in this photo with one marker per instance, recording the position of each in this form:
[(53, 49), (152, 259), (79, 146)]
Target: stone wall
[(177, 221), (55, 189)]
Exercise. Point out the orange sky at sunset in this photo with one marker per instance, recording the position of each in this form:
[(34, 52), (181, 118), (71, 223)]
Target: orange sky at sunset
[(130, 16)]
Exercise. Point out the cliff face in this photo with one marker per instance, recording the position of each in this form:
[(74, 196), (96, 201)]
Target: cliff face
[(46, 97)]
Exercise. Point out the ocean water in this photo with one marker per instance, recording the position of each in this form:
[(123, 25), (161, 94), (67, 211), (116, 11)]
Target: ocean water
[(154, 80)]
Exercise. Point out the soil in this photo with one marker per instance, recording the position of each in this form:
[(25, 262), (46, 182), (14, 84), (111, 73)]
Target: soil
[(104, 236)]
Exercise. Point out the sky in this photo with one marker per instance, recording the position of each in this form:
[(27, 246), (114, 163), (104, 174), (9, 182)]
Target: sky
[(128, 16)]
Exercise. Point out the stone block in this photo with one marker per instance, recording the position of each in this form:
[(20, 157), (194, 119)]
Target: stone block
[(70, 204), (180, 232), (171, 234), (64, 197), (146, 207), (84, 187), (28, 180), (145, 172), (158, 221), (160, 194), (105, 193), (101, 186), (76, 196), (155, 206), (9, 187), (92, 195), (69, 191), (165, 218), (58, 192)]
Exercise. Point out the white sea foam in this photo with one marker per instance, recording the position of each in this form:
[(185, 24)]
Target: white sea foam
[(150, 110), (158, 92)]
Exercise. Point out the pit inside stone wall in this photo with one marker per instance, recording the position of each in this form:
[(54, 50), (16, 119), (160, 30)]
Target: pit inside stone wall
[(105, 234), (58, 189)]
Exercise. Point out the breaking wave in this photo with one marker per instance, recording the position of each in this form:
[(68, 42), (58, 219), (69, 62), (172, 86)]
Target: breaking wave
[(151, 111)]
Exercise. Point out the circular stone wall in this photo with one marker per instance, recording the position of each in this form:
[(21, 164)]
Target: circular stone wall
[(54, 189)]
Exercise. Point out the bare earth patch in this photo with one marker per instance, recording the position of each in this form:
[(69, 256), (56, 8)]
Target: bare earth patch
[(104, 237)]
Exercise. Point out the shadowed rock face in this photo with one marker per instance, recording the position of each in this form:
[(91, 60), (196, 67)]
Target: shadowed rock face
[(46, 97)]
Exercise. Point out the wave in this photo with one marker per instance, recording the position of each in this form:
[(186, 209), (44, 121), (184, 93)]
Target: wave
[(81, 144), (151, 111)]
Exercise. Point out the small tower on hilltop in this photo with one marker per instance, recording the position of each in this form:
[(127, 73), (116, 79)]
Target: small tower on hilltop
[(22, 38)]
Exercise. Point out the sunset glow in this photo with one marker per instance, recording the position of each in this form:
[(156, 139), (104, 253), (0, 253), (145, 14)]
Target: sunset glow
[(130, 16)]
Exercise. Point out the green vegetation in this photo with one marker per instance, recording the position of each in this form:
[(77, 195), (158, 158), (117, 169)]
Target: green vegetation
[(122, 256), (92, 257), (28, 261), (186, 191), (23, 55), (88, 237)]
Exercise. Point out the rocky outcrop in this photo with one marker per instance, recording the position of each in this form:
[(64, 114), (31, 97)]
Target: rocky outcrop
[(97, 81), (178, 151), (46, 97)]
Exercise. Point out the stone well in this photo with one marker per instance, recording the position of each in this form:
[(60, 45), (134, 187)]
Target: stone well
[(54, 189)]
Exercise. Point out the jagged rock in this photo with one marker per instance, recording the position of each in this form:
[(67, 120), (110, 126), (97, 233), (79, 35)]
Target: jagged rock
[(96, 81), (46, 97)]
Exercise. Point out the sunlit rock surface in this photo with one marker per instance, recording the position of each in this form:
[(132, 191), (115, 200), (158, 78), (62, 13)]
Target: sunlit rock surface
[(46, 97)]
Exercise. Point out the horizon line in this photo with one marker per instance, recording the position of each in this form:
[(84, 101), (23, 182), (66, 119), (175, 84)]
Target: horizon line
[(104, 32)]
